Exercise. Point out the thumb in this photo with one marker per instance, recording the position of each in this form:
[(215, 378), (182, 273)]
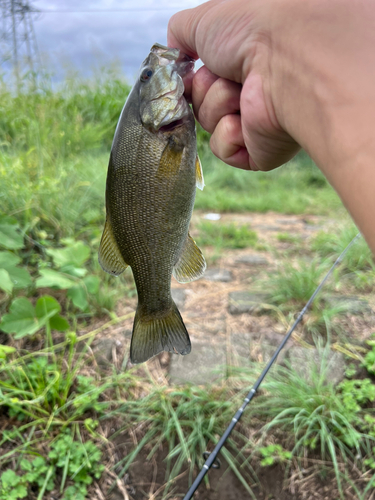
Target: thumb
[(183, 28)]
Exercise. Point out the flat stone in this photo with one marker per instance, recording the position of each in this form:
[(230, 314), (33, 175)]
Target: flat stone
[(312, 227), (351, 304), (179, 296), (103, 351), (246, 302), (239, 352), (306, 362), (288, 221), (252, 260), (267, 227), (127, 334), (218, 275), (203, 365), (270, 341)]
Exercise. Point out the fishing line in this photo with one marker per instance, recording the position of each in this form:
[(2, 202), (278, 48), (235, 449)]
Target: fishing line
[(212, 460)]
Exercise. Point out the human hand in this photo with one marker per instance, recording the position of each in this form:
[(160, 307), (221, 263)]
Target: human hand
[(231, 94), (280, 74)]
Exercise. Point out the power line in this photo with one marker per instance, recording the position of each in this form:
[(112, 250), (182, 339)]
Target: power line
[(95, 11)]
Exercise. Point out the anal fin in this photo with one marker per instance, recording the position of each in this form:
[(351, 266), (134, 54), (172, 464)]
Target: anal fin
[(191, 264), (110, 257)]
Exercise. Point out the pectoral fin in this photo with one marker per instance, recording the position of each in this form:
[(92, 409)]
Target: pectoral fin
[(191, 264), (110, 257), (170, 161), (199, 173)]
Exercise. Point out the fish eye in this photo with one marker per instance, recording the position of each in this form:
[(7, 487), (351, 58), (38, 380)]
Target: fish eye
[(146, 75)]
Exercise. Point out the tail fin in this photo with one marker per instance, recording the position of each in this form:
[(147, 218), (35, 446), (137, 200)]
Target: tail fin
[(151, 336)]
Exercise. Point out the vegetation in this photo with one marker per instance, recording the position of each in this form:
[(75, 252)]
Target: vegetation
[(55, 401), (319, 415), (295, 188), (222, 236), (185, 420)]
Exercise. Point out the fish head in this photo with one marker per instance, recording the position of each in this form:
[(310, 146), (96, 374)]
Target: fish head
[(161, 89)]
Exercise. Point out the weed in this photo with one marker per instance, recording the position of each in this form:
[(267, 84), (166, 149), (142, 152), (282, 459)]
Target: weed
[(274, 453), (288, 238), (225, 235), (185, 419), (12, 486), (25, 319), (68, 269), (363, 281), (314, 413), (39, 387), (295, 283), (355, 393), (287, 189), (358, 258), (77, 462), (369, 360), (324, 318)]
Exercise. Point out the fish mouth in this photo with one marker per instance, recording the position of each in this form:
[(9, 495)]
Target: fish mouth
[(184, 64)]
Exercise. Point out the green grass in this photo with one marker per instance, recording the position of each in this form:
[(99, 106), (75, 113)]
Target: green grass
[(49, 405), (61, 200), (221, 236), (288, 238), (58, 123), (314, 414), (294, 283), (186, 421), (54, 151), (328, 244), (358, 268), (296, 188)]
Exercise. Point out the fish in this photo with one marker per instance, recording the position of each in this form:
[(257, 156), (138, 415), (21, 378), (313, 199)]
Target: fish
[(152, 176)]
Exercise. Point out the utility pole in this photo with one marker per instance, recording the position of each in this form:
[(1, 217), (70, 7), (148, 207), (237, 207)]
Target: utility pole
[(18, 47)]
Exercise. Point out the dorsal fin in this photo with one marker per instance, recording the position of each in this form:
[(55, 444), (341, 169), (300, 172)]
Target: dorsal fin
[(110, 257)]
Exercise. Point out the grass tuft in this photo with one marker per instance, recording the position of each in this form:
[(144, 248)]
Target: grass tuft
[(185, 421), (313, 412), (225, 235)]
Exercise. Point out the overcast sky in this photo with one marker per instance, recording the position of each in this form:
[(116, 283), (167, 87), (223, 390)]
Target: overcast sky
[(114, 30)]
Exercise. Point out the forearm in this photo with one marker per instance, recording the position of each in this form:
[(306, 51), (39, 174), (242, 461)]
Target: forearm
[(324, 95)]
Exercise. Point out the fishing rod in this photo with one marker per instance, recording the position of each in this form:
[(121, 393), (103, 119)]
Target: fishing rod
[(212, 460)]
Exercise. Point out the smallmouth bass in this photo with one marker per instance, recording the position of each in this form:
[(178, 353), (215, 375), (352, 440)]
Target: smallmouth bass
[(152, 176)]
